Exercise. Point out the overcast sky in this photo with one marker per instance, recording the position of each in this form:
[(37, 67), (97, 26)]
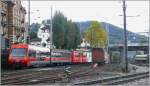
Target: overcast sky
[(107, 11)]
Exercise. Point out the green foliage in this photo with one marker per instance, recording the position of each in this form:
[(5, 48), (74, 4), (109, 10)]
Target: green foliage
[(33, 30), (46, 22), (77, 40), (66, 34), (96, 35), (59, 23), (72, 35)]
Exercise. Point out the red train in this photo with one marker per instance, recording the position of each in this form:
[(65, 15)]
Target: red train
[(25, 55)]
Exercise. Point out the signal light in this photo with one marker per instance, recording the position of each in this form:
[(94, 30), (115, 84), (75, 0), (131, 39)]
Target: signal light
[(28, 39)]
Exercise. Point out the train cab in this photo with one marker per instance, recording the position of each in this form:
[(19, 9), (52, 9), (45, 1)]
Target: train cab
[(78, 57)]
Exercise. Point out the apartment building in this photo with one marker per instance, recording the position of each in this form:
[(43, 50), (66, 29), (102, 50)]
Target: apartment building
[(12, 21)]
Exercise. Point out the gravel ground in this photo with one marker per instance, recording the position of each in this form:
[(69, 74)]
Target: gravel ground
[(141, 82), (102, 71), (113, 70)]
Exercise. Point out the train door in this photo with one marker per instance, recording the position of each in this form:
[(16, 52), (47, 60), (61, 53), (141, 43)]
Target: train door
[(84, 57), (81, 57), (42, 58), (76, 56), (32, 57), (88, 55)]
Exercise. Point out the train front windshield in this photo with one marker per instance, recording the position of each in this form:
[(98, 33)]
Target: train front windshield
[(18, 52)]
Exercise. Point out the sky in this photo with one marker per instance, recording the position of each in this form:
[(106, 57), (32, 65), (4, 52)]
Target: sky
[(102, 11)]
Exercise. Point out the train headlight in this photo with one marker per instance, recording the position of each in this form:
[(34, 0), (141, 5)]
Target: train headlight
[(10, 60)]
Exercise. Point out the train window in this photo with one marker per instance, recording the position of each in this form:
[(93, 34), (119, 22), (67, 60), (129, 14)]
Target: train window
[(32, 53), (77, 54), (57, 54), (43, 54), (66, 55), (85, 53), (60, 54), (18, 52)]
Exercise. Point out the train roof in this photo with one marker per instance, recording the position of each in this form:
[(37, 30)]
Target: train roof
[(43, 49), (37, 48)]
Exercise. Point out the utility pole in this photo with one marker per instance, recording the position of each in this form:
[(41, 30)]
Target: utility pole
[(1, 19), (51, 26), (51, 34), (108, 41), (29, 20), (149, 43), (125, 37), (107, 29), (0, 29)]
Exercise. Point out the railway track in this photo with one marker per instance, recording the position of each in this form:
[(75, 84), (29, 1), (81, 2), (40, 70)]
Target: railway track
[(27, 77), (116, 79), (25, 71), (44, 76)]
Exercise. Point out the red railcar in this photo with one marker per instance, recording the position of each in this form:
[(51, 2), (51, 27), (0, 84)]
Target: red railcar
[(98, 55), (29, 55), (78, 57), (94, 55)]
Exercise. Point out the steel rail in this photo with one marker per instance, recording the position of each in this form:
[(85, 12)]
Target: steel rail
[(116, 79), (38, 77)]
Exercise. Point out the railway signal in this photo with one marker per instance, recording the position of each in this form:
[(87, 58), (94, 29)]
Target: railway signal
[(95, 65), (68, 73)]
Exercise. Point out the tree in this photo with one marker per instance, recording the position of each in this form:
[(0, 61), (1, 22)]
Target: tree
[(72, 35), (69, 35), (96, 35), (59, 23), (66, 34), (46, 22), (33, 30), (77, 40)]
